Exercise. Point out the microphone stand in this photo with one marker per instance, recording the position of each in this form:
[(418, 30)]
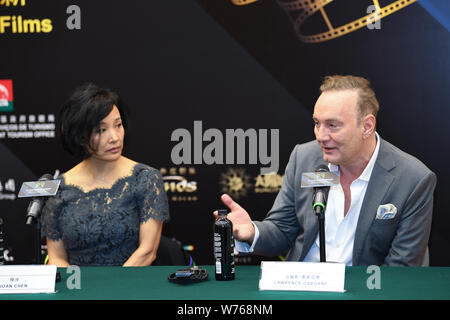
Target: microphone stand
[(319, 203), (33, 218), (321, 218), (320, 200), (37, 238), (37, 241)]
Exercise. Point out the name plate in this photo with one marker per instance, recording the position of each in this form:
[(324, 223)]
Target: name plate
[(27, 279), (302, 276), (43, 188), (319, 179)]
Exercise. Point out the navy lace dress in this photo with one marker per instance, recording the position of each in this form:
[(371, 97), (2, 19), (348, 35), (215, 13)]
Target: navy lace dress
[(101, 227)]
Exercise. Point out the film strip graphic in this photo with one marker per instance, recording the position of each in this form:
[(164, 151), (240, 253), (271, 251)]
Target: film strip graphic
[(243, 2), (301, 10)]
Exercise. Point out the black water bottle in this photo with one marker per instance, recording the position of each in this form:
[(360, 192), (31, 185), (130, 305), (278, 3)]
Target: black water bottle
[(224, 247)]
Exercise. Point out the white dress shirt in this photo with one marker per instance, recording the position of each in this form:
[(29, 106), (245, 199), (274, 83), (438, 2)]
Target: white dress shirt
[(339, 229)]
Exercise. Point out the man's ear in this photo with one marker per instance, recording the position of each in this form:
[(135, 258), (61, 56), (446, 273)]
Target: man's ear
[(368, 125)]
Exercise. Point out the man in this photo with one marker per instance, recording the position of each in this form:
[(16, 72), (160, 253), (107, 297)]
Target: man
[(379, 214)]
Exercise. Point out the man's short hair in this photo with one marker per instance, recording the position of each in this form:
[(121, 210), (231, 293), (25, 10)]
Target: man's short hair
[(82, 113), (367, 101)]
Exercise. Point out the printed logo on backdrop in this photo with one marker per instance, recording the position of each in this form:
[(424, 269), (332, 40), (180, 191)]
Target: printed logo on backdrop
[(12, 3), (6, 95), (27, 126), (268, 183), (235, 182), (21, 23), (22, 126), (7, 189), (180, 183), (299, 11), (239, 184), (15, 24)]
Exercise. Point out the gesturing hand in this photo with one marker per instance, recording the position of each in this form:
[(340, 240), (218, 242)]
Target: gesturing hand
[(243, 229)]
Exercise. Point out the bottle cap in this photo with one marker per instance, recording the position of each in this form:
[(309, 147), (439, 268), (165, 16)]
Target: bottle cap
[(222, 212)]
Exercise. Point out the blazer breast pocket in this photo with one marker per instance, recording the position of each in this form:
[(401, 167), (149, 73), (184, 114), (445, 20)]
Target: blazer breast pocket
[(381, 234)]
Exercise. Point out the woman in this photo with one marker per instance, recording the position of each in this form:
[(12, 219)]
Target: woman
[(109, 210)]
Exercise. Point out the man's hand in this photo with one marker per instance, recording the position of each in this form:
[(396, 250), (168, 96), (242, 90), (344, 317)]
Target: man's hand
[(243, 229)]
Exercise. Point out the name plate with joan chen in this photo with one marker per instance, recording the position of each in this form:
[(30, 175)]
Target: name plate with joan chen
[(27, 279), (302, 276)]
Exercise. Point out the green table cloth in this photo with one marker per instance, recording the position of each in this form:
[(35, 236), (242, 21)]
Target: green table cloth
[(143, 283)]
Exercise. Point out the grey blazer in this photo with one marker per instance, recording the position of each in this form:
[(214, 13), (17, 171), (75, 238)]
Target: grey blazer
[(397, 178)]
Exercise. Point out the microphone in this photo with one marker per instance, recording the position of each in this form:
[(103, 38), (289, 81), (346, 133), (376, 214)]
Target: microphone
[(35, 206), (319, 204), (320, 193)]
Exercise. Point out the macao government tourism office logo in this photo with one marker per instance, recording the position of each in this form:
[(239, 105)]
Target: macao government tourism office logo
[(6, 95), (299, 11)]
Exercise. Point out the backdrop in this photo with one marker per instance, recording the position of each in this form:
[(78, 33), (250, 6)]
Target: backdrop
[(222, 65)]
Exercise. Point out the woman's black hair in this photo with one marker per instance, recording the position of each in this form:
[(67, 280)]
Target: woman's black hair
[(82, 113)]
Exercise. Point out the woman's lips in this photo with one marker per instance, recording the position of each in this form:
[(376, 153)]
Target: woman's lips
[(114, 150)]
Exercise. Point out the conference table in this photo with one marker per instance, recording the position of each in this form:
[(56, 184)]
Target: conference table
[(151, 283)]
